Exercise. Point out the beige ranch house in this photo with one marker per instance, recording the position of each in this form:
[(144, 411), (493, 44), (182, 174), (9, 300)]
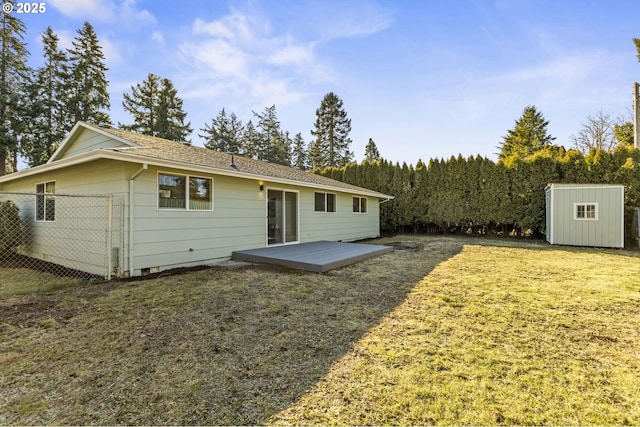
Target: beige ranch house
[(183, 205)]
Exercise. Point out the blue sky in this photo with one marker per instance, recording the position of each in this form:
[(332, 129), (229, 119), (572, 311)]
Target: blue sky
[(423, 78)]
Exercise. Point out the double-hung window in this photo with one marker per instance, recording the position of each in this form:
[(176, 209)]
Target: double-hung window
[(585, 211), (359, 205), (184, 192), (325, 202), (45, 201)]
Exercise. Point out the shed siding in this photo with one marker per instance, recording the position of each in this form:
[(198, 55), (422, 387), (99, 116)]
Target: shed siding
[(606, 231)]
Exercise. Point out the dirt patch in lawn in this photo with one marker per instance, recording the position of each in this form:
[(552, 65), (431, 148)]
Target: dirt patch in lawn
[(219, 346)]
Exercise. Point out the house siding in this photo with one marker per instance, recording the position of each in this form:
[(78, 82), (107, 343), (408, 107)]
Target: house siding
[(87, 141), (153, 239), (564, 229), (165, 238), (76, 239)]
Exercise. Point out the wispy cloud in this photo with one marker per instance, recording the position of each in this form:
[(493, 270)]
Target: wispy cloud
[(240, 52), (99, 10), (125, 12)]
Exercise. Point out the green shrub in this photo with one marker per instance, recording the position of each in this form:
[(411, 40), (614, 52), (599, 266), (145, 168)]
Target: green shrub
[(10, 226)]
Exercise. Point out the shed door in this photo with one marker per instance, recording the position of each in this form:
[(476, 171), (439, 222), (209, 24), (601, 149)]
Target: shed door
[(282, 217)]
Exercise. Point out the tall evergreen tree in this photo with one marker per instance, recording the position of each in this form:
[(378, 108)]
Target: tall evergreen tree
[(88, 84), (171, 115), (371, 152), (13, 75), (156, 109), (49, 121), (224, 133), (273, 145), (280, 149), (142, 104), (528, 136), (332, 127), (251, 140), (299, 155)]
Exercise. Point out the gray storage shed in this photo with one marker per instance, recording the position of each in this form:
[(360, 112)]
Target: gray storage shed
[(585, 215)]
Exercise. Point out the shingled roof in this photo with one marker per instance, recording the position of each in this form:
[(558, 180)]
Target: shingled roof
[(152, 147)]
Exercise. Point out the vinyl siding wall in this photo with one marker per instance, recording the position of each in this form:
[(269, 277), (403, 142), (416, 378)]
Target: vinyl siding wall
[(564, 229), (166, 238), (76, 238), (88, 141)]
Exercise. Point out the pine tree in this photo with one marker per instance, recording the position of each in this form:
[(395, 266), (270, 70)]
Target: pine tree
[(528, 136), (371, 152), (251, 140), (142, 104), (332, 127), (13, 75), (88, 83), (49, 121), (272, 145), (224, 133), (299, 155), (171, 115), (280, 149), (156, 110)]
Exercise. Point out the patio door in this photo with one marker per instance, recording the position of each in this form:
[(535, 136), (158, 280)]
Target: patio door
[(282, 217)]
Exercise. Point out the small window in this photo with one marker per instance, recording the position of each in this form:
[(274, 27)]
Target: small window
[(586, 211), (360, 205), (325, 202), (173, 192), (45, 202)]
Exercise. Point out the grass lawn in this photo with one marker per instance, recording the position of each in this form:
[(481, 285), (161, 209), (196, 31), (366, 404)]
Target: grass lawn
[(466, 331)]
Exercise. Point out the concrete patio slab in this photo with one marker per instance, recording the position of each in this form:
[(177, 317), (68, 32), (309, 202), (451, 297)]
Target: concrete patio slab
[(319, 257)]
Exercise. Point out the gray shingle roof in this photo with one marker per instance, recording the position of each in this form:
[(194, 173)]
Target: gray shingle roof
[(164, 149)]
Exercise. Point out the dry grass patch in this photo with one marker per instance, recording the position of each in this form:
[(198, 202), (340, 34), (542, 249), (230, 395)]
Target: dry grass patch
[(218, 346), (502, 333)]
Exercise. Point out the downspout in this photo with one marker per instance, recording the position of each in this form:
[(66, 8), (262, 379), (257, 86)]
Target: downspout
[(132, 191)]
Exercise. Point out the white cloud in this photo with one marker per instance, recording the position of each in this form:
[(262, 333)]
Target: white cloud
[(157, 36), (240, 54), (129, 14), (100, 10), (217, 56), (125, 13), (231, 27)]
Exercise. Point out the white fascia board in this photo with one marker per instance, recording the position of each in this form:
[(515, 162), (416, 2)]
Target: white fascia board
[(135, 158)]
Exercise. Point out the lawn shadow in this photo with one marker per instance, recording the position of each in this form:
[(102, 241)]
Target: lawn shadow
[(221, 346), (272, 339)]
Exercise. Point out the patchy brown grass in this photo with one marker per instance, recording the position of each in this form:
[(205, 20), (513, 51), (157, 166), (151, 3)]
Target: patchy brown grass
[(218, 346), (465, 331)]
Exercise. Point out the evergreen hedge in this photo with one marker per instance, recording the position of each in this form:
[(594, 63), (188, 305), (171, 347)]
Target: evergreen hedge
[(476, 195)]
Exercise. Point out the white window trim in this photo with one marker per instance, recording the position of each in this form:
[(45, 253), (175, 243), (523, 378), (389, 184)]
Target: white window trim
[(35, 213), (585, 204), (359, 212), (326, 204), (187, 177)]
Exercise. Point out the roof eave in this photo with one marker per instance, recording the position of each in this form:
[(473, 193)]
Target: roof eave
[(155, 161)]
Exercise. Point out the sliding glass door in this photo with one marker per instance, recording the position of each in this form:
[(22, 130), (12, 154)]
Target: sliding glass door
[(282, 217)]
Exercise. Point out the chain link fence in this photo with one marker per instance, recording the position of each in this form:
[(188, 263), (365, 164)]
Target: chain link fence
[(63, 234)]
